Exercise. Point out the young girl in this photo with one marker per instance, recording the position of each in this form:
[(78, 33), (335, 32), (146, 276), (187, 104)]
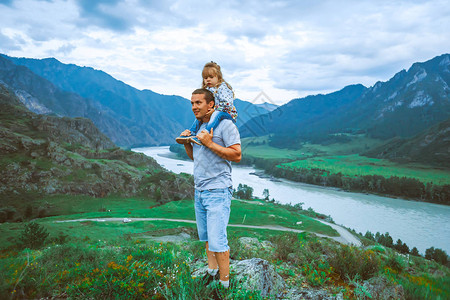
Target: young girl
[(223, 98)]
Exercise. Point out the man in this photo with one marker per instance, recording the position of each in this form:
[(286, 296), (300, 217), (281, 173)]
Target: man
[(213, 185)]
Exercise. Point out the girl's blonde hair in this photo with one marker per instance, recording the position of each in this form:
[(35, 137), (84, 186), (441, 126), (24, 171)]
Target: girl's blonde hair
[(213, 69)]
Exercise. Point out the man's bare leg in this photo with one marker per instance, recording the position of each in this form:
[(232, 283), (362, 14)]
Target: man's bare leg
[(212, 261), (223, 259)]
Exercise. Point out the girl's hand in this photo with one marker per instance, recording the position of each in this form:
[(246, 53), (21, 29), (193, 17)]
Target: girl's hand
[(209, 113), (187, 132)]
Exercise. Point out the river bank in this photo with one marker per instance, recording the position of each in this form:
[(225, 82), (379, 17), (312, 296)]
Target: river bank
[(353, 173), (418, 224)]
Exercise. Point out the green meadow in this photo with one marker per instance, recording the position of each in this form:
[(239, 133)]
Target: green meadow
[(113, 259), (356, 165), (67, 207), (259, 147), (343, 158)]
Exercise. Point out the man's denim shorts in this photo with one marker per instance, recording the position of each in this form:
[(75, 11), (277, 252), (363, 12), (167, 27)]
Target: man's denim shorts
[(212, 212)]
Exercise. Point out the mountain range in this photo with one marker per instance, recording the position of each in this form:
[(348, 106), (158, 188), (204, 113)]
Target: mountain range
[(130, 117), (409, 103), (403, 108)]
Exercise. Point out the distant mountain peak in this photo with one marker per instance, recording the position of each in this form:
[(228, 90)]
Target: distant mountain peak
[(445, 62)]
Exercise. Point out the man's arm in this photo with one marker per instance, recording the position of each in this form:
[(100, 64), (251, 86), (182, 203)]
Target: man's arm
[(188, 146), (232, 153), (189, 150)]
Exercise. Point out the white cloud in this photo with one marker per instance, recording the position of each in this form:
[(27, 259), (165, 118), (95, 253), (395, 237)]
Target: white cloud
[(287, 49)]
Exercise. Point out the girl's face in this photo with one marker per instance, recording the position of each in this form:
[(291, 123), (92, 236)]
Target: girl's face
[(211, 80)]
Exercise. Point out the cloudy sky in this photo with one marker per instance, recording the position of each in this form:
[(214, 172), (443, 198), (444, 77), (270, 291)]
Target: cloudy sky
[(288, 49)]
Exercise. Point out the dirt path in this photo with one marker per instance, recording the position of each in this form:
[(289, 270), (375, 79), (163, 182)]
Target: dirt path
[(345, 236)]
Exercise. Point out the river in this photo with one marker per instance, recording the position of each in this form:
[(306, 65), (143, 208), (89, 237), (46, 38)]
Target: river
[(418, 224)]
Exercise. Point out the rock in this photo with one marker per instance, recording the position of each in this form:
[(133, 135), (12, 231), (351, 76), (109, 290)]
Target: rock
[(381, 288), (313, 294), (251, 274), (254, 245), (258, 274), (178, 238)]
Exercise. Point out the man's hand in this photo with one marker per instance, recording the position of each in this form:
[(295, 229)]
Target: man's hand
[(205, 137), (232, 153)]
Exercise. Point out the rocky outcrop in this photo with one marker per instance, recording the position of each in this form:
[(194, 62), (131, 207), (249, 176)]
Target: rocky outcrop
[(257, 274), (47, 154), (311, 294), (381, 288), (252, 274)]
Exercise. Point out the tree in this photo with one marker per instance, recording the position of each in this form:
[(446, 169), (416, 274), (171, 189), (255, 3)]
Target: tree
[(415, 252), (266, 194), (33, 236), (369, 235), (401, 247), (385, 240), (28, 211), (437, 255), (244, 192)]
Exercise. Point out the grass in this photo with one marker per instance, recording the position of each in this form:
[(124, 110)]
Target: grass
[(355, 165), (67, 207), (115, 259), (259, 147), (343, 158), (254, 147), (120, 270), (134, 268)]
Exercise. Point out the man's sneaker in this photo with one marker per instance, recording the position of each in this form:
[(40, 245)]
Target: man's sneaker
[(195, 140), (208, 278), (183, 139)]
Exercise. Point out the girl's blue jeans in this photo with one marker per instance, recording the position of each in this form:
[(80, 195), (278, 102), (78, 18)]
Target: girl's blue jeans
[(215, 119)]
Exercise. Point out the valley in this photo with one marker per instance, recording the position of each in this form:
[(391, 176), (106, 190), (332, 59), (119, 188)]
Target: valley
[(65, 131)]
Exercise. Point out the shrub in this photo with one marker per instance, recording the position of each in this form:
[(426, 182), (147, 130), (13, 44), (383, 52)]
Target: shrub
[(395, 262), (7, 213), (348, 261), (285, 244), (42, 212), (33, 236), (2, 216), (60, 239)]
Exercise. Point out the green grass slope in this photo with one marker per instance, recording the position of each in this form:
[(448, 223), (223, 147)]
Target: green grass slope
[(115, 259)]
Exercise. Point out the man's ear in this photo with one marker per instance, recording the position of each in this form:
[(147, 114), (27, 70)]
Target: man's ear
[(211, 104)]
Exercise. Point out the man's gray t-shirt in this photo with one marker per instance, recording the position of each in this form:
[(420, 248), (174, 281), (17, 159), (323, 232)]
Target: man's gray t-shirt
[(210, 170)]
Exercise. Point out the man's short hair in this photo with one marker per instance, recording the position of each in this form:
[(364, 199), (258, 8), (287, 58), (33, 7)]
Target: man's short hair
[(208, 95)]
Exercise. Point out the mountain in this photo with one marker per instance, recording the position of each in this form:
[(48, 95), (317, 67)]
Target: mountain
[(141, 117), (431, 147), (41, 96), (305, 116), (407, 104), (43, 154), (267, 106), (149, 118), (247, 110)]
